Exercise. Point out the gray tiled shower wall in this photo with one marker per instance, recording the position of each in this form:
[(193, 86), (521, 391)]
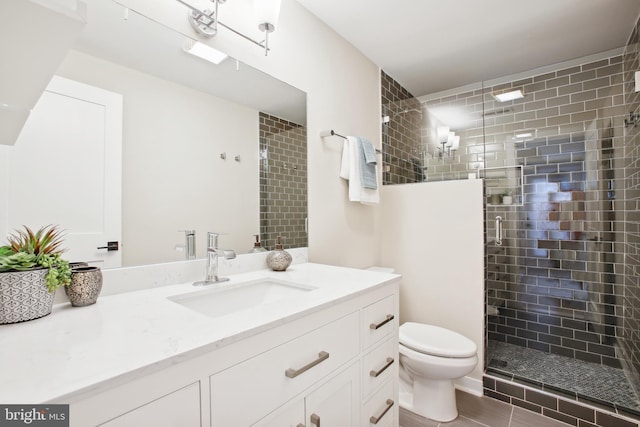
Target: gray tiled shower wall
[(631, 325), (558, 279), (283, 182), (402, 158)]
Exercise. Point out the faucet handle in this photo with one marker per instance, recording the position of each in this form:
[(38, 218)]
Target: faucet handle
[(212, 239)]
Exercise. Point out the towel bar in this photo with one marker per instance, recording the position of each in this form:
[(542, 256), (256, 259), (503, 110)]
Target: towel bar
[(331, 132)]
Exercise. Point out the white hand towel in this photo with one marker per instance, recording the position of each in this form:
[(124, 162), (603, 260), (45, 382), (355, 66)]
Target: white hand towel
[(350, 170)]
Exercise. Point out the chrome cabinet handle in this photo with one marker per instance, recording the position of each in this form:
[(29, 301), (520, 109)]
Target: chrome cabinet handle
[(499, 230), (375, 420), (292, 373), (375, 374), (381, 324), (315, 420)]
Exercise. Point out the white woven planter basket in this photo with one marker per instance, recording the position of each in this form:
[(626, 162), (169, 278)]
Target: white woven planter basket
[(24, 296)]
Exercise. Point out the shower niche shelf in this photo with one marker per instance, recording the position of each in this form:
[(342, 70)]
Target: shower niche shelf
[(500, 183)]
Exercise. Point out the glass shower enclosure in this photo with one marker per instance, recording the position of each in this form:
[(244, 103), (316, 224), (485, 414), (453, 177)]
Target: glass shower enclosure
[(557, 229)]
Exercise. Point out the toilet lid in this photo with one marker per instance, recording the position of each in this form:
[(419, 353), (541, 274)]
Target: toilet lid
[(436, 341)]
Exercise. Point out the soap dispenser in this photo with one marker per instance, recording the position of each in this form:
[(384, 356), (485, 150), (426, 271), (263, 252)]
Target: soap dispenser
[(279, 259), (257, 247)]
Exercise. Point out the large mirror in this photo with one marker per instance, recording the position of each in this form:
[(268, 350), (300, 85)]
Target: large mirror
[(204, 147)]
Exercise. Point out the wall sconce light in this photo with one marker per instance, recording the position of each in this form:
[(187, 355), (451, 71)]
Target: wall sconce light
[(456, 143), (449, 141), (205, 22), (267, 14), (443, 137)]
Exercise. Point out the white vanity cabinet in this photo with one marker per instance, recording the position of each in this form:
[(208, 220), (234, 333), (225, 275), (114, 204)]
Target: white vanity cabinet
[(180, 408), (332, 366), (380, 363), (333, 403), (246, 392)]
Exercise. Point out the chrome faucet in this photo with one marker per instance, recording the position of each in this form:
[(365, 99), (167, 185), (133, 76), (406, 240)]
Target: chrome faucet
[(189, 244), (213, 253)]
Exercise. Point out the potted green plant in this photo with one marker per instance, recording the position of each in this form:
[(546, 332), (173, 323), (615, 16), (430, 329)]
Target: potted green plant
[(31, 269)]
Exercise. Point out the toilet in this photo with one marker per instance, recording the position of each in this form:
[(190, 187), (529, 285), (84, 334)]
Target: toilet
[(431, 358)]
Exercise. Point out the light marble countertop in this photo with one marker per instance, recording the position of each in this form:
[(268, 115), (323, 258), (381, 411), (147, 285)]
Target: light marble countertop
[(75, 349)]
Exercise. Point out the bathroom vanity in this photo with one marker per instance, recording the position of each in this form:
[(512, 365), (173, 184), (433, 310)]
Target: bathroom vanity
[(315, 345)]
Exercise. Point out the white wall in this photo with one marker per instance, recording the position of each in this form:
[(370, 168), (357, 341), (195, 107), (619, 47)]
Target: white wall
[(433, 236), (342, 89), (172, 140)]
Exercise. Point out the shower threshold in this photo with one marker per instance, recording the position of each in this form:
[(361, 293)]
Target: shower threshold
[(589, 382)]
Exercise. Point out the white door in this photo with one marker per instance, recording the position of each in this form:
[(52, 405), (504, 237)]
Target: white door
[(66, 169)]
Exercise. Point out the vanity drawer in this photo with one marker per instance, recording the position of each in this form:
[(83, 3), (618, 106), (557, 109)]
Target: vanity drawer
[(378, 365), (382, 409), (245, 392), (378, 321)]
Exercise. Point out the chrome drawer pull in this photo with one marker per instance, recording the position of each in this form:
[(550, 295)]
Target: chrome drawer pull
[(315, 420), (381, 324), (292, 373), (375, 374), (374, 420)]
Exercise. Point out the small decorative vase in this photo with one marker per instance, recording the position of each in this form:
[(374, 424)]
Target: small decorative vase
[(85, 286), (279, 259), (24, 295)]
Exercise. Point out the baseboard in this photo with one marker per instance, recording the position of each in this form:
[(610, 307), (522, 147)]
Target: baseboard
[(469, 385)]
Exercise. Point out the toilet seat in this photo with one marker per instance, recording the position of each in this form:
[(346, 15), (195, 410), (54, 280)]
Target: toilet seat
[(436, 341)]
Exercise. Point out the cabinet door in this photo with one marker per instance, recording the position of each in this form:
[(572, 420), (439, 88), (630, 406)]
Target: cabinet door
[(178, 409), (269, 379), (289, 415), (382, 409), (336, 402)]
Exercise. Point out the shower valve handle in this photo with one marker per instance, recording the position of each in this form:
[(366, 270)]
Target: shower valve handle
[(498, 230)]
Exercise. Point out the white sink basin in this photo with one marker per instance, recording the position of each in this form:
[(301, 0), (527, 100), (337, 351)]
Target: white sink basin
[(219, 301)]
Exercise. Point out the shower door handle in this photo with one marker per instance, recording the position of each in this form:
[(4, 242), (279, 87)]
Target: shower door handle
[(498, 230)]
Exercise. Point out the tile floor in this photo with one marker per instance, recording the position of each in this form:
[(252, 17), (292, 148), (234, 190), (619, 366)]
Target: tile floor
[(477, 411), (597, 382)]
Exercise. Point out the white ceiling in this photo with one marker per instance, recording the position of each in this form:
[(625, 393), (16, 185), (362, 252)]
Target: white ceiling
[(433, 45)]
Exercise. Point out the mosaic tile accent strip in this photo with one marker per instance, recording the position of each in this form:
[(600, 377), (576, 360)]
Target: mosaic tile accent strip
[(283, 182)]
